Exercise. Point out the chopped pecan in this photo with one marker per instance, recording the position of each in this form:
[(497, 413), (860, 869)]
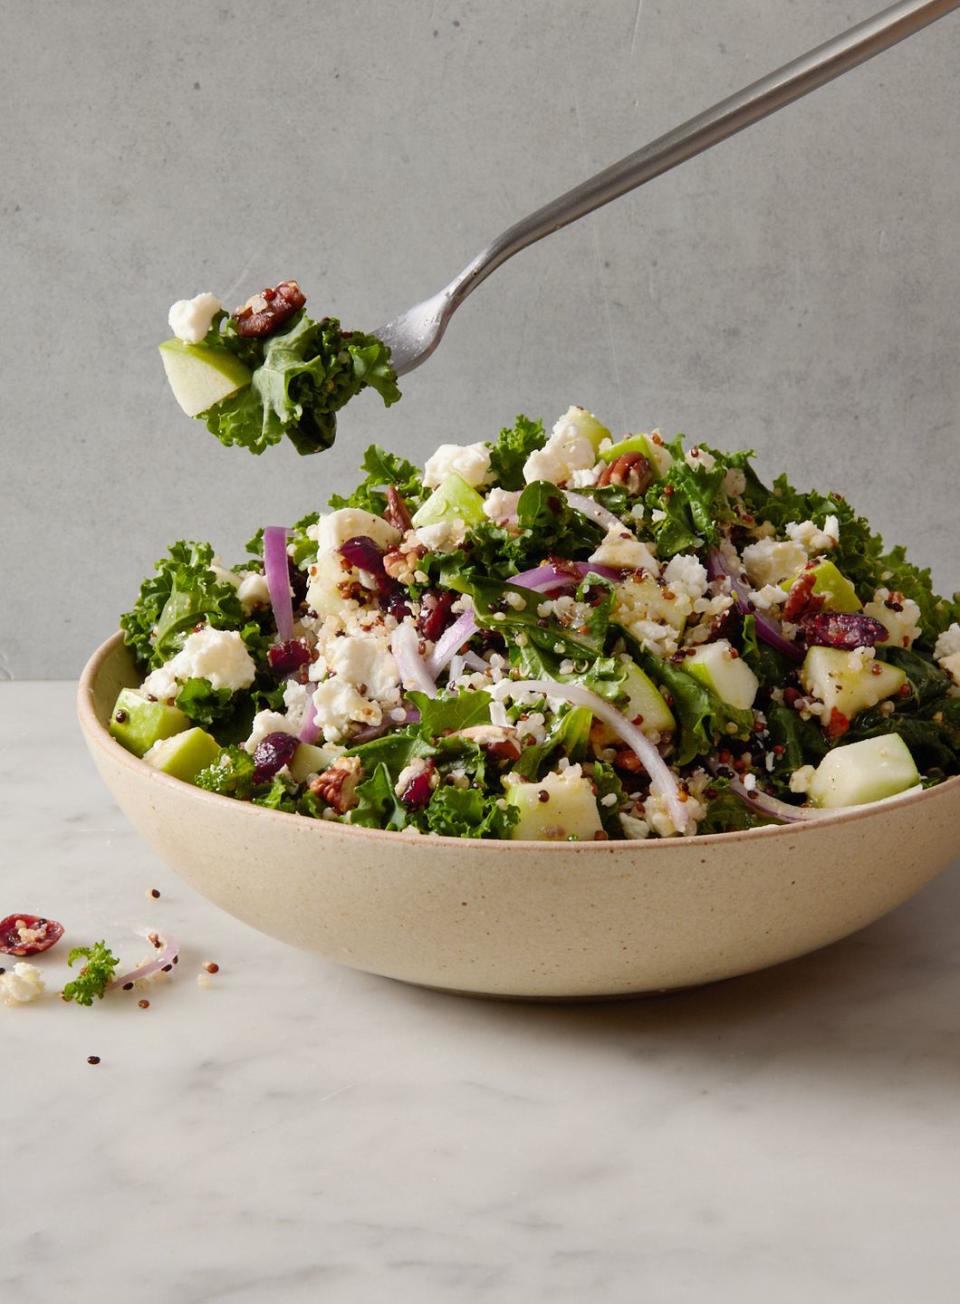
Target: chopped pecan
[(397, 513), (801, 600), (267, 311), (338, 785), (630, 471), (400, 563), (495, 739)]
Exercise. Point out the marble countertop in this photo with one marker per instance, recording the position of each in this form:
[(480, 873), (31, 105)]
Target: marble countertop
[(296, 1131)]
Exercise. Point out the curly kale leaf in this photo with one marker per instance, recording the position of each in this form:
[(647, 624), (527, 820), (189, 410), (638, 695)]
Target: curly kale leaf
[(183, 592), (512, 448), (303, 376), (469, 813), (95, 976), (382, 469), (231, 774)]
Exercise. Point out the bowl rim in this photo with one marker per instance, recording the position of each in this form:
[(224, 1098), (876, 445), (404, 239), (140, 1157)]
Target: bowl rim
[(99, 736)]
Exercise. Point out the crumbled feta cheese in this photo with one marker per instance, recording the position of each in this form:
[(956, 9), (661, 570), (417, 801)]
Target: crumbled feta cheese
[(365, 663), (801, 779), (295, 697), (190, 319), (21, 984), (951, 665), (770, 561), (633, 828), (685, 574), (253, 590), (585, 477), (442, 536), (734, 482), (337, 705), (623, 549), (700, 457), (609, 800), (217, 655), (501, 505), (656, 812), (771, 595), (812, 539), (901, 620), (948, 644), (566, 451), (469, 461)]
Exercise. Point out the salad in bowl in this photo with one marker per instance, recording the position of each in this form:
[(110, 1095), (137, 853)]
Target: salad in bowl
[(559, 635)]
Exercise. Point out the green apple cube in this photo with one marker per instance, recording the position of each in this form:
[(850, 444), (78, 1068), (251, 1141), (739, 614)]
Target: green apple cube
[(857, 773), (656, 454), (586, 424), (453, 499), (848, 682), (308, 760), (137, 723), (832, 586), (568, 813), (201, 376), (184, 755), (644, 707), (724, 671)]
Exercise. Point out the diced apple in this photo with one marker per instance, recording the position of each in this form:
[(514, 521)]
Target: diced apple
[(201, 376), (848, 682), (567, 813), (857, 773), (832, 586), (723, 670), (646, 599), (137, 723), (453, 499), (658, 455), (327, 573), (184, 755), (645, 707), (308, 760)]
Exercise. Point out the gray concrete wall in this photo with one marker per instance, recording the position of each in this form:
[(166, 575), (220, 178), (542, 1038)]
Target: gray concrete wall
[(795, 290)]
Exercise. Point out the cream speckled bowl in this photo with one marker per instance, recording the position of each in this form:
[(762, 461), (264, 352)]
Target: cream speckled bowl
[(527, 918)]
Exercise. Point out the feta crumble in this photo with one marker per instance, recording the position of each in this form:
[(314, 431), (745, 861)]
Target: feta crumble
[(469, 461), (217, 655), (21, 984), (190, 319)]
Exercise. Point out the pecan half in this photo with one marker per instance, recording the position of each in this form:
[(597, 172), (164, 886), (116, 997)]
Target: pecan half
[(401, 563), (338, 785), (630, 471), (397, 513), (267, 311)]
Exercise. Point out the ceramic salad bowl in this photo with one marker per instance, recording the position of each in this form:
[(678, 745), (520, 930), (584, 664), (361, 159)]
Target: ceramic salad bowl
[(527, 919)]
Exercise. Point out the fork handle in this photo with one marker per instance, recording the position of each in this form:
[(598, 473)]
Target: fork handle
[(708, 128)]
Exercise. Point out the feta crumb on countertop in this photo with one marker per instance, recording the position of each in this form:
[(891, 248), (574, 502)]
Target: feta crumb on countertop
[(21, 984), (217, 655), (190, 319), (469, 461)]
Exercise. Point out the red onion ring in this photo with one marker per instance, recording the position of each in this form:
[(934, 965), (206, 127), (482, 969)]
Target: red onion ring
[(768, 629), (276, 569), (168, 954), (405, 646), (593, 511)]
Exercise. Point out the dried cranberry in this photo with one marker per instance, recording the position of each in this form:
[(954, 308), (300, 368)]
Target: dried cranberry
[(272, 754), (285, 658), (435, 613), (419, 790), (843, 630), (364, 554), (727, 625), (395, 604), (46, 933)]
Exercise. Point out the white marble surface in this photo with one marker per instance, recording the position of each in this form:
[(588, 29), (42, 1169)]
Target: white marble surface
[(302, 1132)]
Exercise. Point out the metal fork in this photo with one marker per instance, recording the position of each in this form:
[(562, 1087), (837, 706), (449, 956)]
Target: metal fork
[(415, 334)]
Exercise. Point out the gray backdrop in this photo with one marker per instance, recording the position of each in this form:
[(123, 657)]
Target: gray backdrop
[(794, 290)]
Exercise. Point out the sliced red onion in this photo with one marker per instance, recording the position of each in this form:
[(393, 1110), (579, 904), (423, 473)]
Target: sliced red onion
[(451, 641), (593, 510), (309, 730), (413, 671), (474, 662), (662, 780), (768, 629), (277, 572), (371, 731), (166, 955)]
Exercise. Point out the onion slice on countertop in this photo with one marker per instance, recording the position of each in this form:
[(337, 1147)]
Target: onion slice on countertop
[(593, 511), (662, 779), (277, 571), (166, 955), (405, 646), (768, 629)]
